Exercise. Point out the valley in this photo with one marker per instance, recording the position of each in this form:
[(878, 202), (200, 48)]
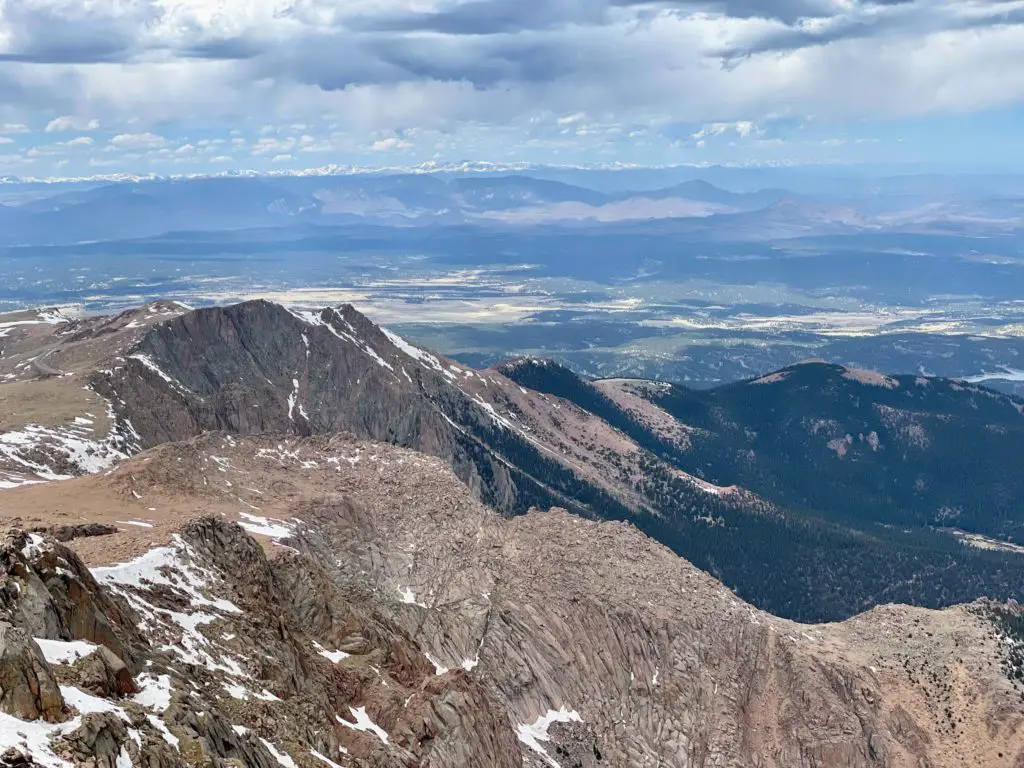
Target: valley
[(918, 276)]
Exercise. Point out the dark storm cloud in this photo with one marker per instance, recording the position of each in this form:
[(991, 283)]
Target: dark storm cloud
[(71, 35), (482, 42), (915, 18), (488, 17), (340, 60)]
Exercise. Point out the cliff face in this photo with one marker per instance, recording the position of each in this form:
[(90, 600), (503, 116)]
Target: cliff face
[(258, 368)]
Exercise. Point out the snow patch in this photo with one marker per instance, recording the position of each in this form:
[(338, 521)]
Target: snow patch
[(334, 656), (159, 724), (171, 567), (64, 651), (534, 733), (317, 318), (86, 703), (292, 399), (149, 363), (265, 526), (154, 691), (415, 353), (439, 668), (325, 759), (409, 597), (364, 723), (282, 757)]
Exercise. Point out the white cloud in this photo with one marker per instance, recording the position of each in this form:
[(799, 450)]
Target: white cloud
[(80, 141), (312, 144), (71, 123), (138, 141), (743, 128), (614, 76), (266, 146), (282, 158), (6, 140), (12, 160), (390, 144)]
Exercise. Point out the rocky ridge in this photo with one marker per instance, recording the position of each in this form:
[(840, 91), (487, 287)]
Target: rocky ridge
[(83, 393), (385, 595), (243, 580)]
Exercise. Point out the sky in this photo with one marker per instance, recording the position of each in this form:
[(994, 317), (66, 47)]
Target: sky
[(93, 87)]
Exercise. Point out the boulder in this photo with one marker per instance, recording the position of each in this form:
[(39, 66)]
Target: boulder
[(28, 689), (102, 673), (98, 741)]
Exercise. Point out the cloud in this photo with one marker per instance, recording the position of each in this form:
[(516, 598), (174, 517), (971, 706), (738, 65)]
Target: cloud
[(272, 146), (14, 160), (742, 128), (390, 144), (71, 123), (137, 141), (572, 119), (494, 78), (80, 141), (877, 20), (73, 31)]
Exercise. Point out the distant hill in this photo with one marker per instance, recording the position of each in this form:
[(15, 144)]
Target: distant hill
[(152, 207), (709, 193)]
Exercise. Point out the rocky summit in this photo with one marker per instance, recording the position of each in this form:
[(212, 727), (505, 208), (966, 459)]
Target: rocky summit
[(267, 537)]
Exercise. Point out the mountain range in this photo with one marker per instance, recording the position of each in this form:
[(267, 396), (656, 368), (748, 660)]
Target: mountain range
[(84, 211), (268, 536), (760, 483)]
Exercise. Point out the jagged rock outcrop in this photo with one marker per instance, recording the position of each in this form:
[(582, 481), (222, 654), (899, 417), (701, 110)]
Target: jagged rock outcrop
[(239, 665), (49, 591), (104, 740), (28, 689)]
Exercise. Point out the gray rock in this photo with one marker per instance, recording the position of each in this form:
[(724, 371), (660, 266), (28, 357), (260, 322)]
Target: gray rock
[(104, 674), (28, 689)]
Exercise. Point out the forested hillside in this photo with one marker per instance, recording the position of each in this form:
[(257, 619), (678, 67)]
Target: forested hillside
[(838, 523)]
